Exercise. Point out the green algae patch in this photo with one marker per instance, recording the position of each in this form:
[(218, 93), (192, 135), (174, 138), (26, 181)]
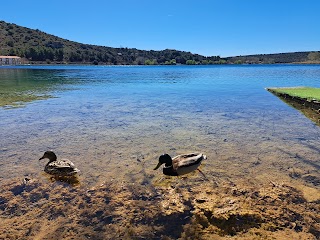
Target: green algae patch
[(14, 100), (19, 87), (307, 93)]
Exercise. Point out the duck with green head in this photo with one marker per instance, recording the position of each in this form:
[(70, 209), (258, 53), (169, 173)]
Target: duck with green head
[(181, 164)]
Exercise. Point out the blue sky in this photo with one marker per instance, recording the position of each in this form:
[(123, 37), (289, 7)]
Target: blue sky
[(207, 27)]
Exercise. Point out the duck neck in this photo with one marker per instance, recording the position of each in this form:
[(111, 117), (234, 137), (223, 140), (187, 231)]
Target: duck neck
[(169, 171), (168, 165), (53, 159)]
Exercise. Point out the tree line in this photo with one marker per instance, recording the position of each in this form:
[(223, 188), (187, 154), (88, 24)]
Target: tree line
[(37, 46)]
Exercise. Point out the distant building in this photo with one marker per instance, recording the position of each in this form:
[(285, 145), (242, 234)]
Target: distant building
[(10, 60)]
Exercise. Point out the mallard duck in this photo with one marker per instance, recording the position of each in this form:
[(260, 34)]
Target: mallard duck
[(181, 164), (62, 167)]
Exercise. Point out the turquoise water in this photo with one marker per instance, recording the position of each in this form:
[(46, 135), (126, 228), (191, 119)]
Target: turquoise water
[(113, 121)]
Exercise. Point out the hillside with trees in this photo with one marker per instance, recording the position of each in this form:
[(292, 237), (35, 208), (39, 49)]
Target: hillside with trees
[(295, 57), (35, 46)]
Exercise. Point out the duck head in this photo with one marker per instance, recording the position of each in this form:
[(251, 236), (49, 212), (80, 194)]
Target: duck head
[(164, 158), (50, 155)]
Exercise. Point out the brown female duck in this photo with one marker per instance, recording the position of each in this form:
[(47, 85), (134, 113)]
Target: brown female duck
[(62, 167)]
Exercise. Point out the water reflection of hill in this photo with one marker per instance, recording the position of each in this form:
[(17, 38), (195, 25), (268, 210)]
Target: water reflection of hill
[(20, 86)]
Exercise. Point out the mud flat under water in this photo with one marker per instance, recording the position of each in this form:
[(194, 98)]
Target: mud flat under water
[(262, 165), (198, 210)]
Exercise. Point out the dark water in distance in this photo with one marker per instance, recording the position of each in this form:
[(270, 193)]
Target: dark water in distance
[(105, 118)]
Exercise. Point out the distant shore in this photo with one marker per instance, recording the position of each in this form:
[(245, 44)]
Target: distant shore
[(104, 64)]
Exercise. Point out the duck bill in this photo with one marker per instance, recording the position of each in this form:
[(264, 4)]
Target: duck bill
[(41, 158), (159, 164)]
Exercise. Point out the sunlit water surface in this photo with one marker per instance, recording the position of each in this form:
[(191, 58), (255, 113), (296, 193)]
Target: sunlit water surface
[(114, 122)]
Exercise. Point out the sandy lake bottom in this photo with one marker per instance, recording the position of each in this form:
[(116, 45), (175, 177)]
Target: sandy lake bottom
[(262, 167)]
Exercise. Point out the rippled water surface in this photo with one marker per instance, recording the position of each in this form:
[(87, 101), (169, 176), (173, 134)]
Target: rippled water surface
[(114, 122)]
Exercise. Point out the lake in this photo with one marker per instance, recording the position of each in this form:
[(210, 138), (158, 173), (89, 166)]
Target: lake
[(114, 122)]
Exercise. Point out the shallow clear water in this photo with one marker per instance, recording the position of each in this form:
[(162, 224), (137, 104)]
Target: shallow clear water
[(104, 118), (114, 122)]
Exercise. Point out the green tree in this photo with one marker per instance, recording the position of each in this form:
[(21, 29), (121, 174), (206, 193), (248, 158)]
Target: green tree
[(221, 61), (48, 54), (314, 56), (75, 57), (180, 60), (59, 55), (10, 43), (31, 54), (12, 52), (171, 62), (191, 62), (148, 62)]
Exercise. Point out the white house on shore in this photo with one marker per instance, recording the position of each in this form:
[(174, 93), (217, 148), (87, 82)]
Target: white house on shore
[(10, 60)]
